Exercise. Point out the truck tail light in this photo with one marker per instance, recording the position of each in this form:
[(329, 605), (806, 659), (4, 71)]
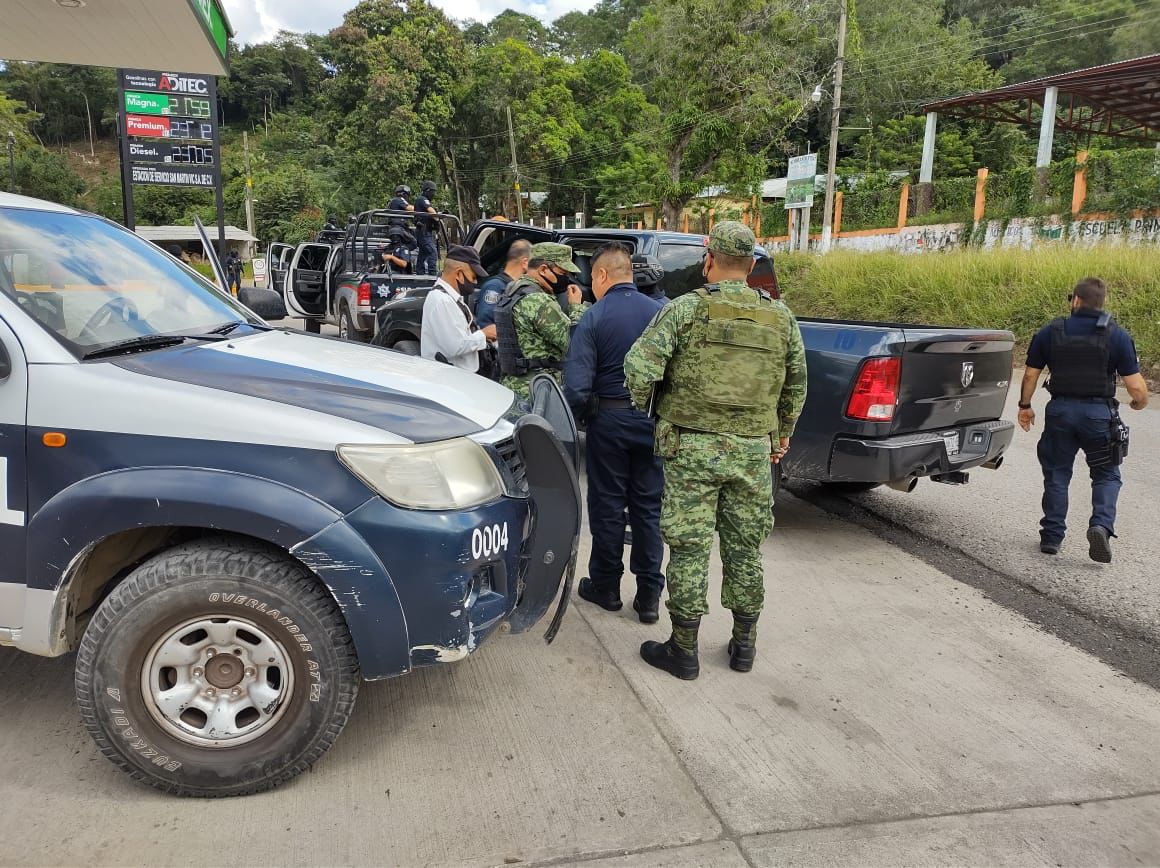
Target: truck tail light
[(364, 294), (875, 392)]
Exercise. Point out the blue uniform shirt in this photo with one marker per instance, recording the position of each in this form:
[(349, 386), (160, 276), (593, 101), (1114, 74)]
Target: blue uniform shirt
[(489, 295), (1122, 357), (595, 361)]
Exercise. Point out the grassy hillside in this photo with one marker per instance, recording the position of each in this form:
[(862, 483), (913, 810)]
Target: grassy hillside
[(1018, 290)]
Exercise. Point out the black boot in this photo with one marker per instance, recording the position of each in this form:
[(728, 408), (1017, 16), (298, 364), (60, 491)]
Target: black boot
[(609, 600), (678, 656), (647, 605), (743, 644)]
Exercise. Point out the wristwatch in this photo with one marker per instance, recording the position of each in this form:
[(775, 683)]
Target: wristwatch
[(1023, 406)]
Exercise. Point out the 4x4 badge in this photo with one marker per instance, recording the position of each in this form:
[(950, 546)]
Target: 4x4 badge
[(968, 375)]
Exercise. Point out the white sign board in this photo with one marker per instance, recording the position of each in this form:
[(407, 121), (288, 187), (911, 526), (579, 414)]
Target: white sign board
[(799, 182), (259, 263)]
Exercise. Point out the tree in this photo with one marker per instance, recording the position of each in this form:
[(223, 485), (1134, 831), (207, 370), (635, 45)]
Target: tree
[(397, 63), (271, 76), (727, 75), (58, 92), (520, 27), (580, 34), (545, 120)]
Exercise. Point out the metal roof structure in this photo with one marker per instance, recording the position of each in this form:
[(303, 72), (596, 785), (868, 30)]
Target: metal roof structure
[(1116, 99), (168, 35), (188, 233)]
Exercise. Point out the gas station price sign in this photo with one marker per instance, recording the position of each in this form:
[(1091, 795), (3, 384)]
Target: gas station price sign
[(140, 103), (169, 133)]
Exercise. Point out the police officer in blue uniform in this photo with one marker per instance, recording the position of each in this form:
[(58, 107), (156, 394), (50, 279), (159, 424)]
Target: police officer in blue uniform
[(425, 229), (622, 469), (1084, 353), (515, 266)]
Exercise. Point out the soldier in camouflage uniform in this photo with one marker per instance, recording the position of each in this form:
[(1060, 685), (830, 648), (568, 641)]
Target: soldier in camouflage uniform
[(725, 369), (541, 328)]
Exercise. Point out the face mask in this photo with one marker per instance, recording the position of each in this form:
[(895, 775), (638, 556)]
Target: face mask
[(553, 280), (466, 285), (705, 267)]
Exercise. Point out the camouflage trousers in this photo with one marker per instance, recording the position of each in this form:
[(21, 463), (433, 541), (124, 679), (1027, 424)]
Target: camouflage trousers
[(522, 386), (716, 482)]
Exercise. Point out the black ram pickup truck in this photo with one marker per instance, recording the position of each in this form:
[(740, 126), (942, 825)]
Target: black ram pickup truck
[(888, 403)]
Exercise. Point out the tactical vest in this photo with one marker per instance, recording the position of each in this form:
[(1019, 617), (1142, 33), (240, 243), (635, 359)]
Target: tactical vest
[(728, 379), (1080, 364), (512, 362)]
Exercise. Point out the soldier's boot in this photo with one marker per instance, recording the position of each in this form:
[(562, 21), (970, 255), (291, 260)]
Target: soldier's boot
[(677, 656), (743, 644)]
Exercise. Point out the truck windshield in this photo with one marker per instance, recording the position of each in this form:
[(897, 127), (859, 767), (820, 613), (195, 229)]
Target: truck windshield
[(92, 284)]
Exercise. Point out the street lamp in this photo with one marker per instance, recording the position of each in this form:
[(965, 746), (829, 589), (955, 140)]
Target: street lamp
[(12, 161)]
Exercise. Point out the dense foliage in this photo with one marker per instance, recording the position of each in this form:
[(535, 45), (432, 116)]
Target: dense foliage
[(632, 101)]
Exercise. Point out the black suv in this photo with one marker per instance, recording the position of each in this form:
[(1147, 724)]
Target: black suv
[(678, 254)]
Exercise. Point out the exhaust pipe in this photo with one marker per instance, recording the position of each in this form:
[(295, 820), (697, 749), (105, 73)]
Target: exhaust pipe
[(995, 463), (905, 485), (955, 477)]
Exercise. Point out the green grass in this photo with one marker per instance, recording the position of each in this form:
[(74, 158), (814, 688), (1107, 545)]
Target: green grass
[(1018, 290)]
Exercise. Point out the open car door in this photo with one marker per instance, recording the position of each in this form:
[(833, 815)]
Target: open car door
[(492, 238), (211, 255), (549, 447), (304, 289), (277, 263)]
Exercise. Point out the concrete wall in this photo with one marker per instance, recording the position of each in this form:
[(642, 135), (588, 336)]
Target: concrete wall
[(1018, 232)]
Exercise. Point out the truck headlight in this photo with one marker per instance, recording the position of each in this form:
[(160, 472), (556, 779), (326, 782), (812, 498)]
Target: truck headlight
[(450, 474)]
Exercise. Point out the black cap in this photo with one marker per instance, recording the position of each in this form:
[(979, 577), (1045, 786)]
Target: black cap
[(467, 255), (428, 186)]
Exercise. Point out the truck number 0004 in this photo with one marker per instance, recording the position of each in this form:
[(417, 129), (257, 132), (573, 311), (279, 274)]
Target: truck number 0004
[(489, 540)]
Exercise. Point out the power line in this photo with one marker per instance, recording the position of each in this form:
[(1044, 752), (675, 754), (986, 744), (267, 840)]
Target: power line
[(1043, 22)]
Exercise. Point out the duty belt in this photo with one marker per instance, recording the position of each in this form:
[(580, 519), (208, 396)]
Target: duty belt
[(615, 404)]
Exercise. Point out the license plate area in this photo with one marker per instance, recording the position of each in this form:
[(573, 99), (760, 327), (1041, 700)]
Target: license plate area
[(952, 442)]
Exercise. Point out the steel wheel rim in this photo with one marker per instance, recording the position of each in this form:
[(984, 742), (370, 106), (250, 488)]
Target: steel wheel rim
[(217, 681)]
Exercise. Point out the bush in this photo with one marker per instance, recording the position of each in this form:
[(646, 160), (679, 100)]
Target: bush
[(1018, 290)]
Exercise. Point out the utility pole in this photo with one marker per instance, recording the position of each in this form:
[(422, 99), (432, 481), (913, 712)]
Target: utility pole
[(515, 167), (835, 112), (455, 178), (89, 115), (249, 184), (11, 161)]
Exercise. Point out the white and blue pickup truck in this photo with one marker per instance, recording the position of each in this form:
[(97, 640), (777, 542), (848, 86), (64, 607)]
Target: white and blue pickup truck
[(232, 525)]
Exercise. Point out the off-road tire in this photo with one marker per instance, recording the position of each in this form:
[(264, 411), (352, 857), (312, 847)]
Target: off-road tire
[(346, 322), (227, 579)]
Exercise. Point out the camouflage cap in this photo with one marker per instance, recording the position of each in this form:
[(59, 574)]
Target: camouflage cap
[(559, 255), (732, 239)]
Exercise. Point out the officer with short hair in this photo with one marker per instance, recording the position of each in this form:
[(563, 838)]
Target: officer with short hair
[(623, 470), (515, 266), (531, 330), (425, 229), (725, 367), (1084, 352)]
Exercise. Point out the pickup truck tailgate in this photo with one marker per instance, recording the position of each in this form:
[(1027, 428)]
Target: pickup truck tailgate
[(952, 377)]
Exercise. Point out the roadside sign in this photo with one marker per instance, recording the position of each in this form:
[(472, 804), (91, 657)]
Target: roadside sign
[(168, 127), (799, 182)]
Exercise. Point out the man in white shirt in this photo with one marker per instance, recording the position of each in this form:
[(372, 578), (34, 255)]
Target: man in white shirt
[(448, 326)]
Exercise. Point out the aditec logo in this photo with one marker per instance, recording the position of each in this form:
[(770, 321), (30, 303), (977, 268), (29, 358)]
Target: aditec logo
[(173, 82)]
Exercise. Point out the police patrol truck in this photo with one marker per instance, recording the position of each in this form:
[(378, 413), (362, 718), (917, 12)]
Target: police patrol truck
[(231, 524)]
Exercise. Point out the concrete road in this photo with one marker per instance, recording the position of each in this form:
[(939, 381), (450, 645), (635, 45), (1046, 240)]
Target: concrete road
[(995, 520), (895, 716)]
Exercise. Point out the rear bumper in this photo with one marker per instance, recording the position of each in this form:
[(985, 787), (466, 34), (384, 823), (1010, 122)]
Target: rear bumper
[(923, 454)]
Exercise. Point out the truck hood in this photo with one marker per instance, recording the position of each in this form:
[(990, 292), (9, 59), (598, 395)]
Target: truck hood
[(415, 399)]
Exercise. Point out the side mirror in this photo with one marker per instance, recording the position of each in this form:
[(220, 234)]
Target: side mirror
[(5, 363)]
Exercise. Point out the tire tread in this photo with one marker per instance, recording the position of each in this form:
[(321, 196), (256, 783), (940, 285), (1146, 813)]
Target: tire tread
[(242, 559)]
